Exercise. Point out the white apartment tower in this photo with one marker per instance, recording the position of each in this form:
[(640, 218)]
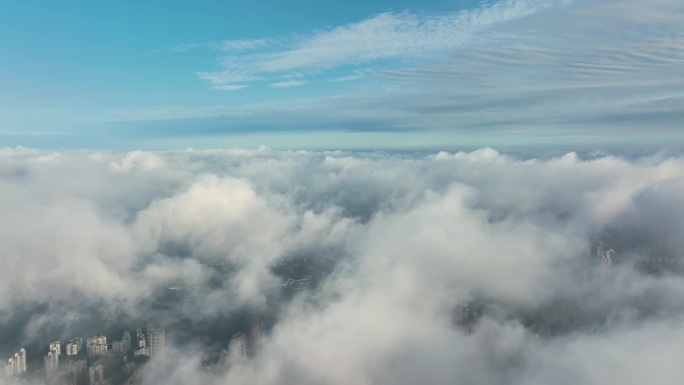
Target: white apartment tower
[(73, 346), (21, 356), (55, 348), (71, 349)]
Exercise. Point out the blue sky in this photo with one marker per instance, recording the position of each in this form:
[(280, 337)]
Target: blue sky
[(333, 74)]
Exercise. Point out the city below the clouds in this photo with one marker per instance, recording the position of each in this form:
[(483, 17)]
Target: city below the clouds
[(147, 359), (302, 192), (282, 267)]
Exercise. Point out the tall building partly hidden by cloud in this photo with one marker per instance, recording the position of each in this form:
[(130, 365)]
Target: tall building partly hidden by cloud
[(157, 341), (242, 345)]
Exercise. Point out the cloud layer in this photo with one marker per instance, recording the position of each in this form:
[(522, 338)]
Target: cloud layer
[(451, 267)]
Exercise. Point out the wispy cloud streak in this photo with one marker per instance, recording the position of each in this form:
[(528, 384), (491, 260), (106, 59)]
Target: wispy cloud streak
[(384, 36)]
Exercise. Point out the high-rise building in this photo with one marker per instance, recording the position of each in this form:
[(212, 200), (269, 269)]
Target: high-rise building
[(22, 362), (126, 339), (142, 352), (237, 350), (606, 263), (141, 344), (71, 349), (257, 333), (140, 337), (61, 378), (79, 372), (97, 375), (51, 362), (157, 342), (73, 346), (605, 255), (96, 346), (156, 339), (9, 367), (16, 365), (55, 348), (117, 347), (124, 345)]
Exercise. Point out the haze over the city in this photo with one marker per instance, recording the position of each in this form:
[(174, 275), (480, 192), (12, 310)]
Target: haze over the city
[(300, 192)]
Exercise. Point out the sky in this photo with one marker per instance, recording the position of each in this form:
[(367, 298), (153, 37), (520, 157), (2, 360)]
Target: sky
[(341, 75)]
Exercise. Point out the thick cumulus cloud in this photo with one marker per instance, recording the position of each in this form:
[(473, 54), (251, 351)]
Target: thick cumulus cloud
[(440, 268)]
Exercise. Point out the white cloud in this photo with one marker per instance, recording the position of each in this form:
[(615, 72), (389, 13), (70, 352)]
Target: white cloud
[(136, 160), (288, 83), (191, 46), (246, 44), (226, 45), (356, 75), (229, 87), (394, 242), (384, 36), (220, 78), (347, 78)]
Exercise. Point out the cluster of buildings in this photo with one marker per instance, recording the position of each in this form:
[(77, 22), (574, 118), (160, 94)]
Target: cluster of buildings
[(559, 317), (77, 370), (124, 345), (89, 366), (98, 348), (244, 344), (16, 365)]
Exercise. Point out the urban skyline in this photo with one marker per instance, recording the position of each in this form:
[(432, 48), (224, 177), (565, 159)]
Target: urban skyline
[(97, 364)]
